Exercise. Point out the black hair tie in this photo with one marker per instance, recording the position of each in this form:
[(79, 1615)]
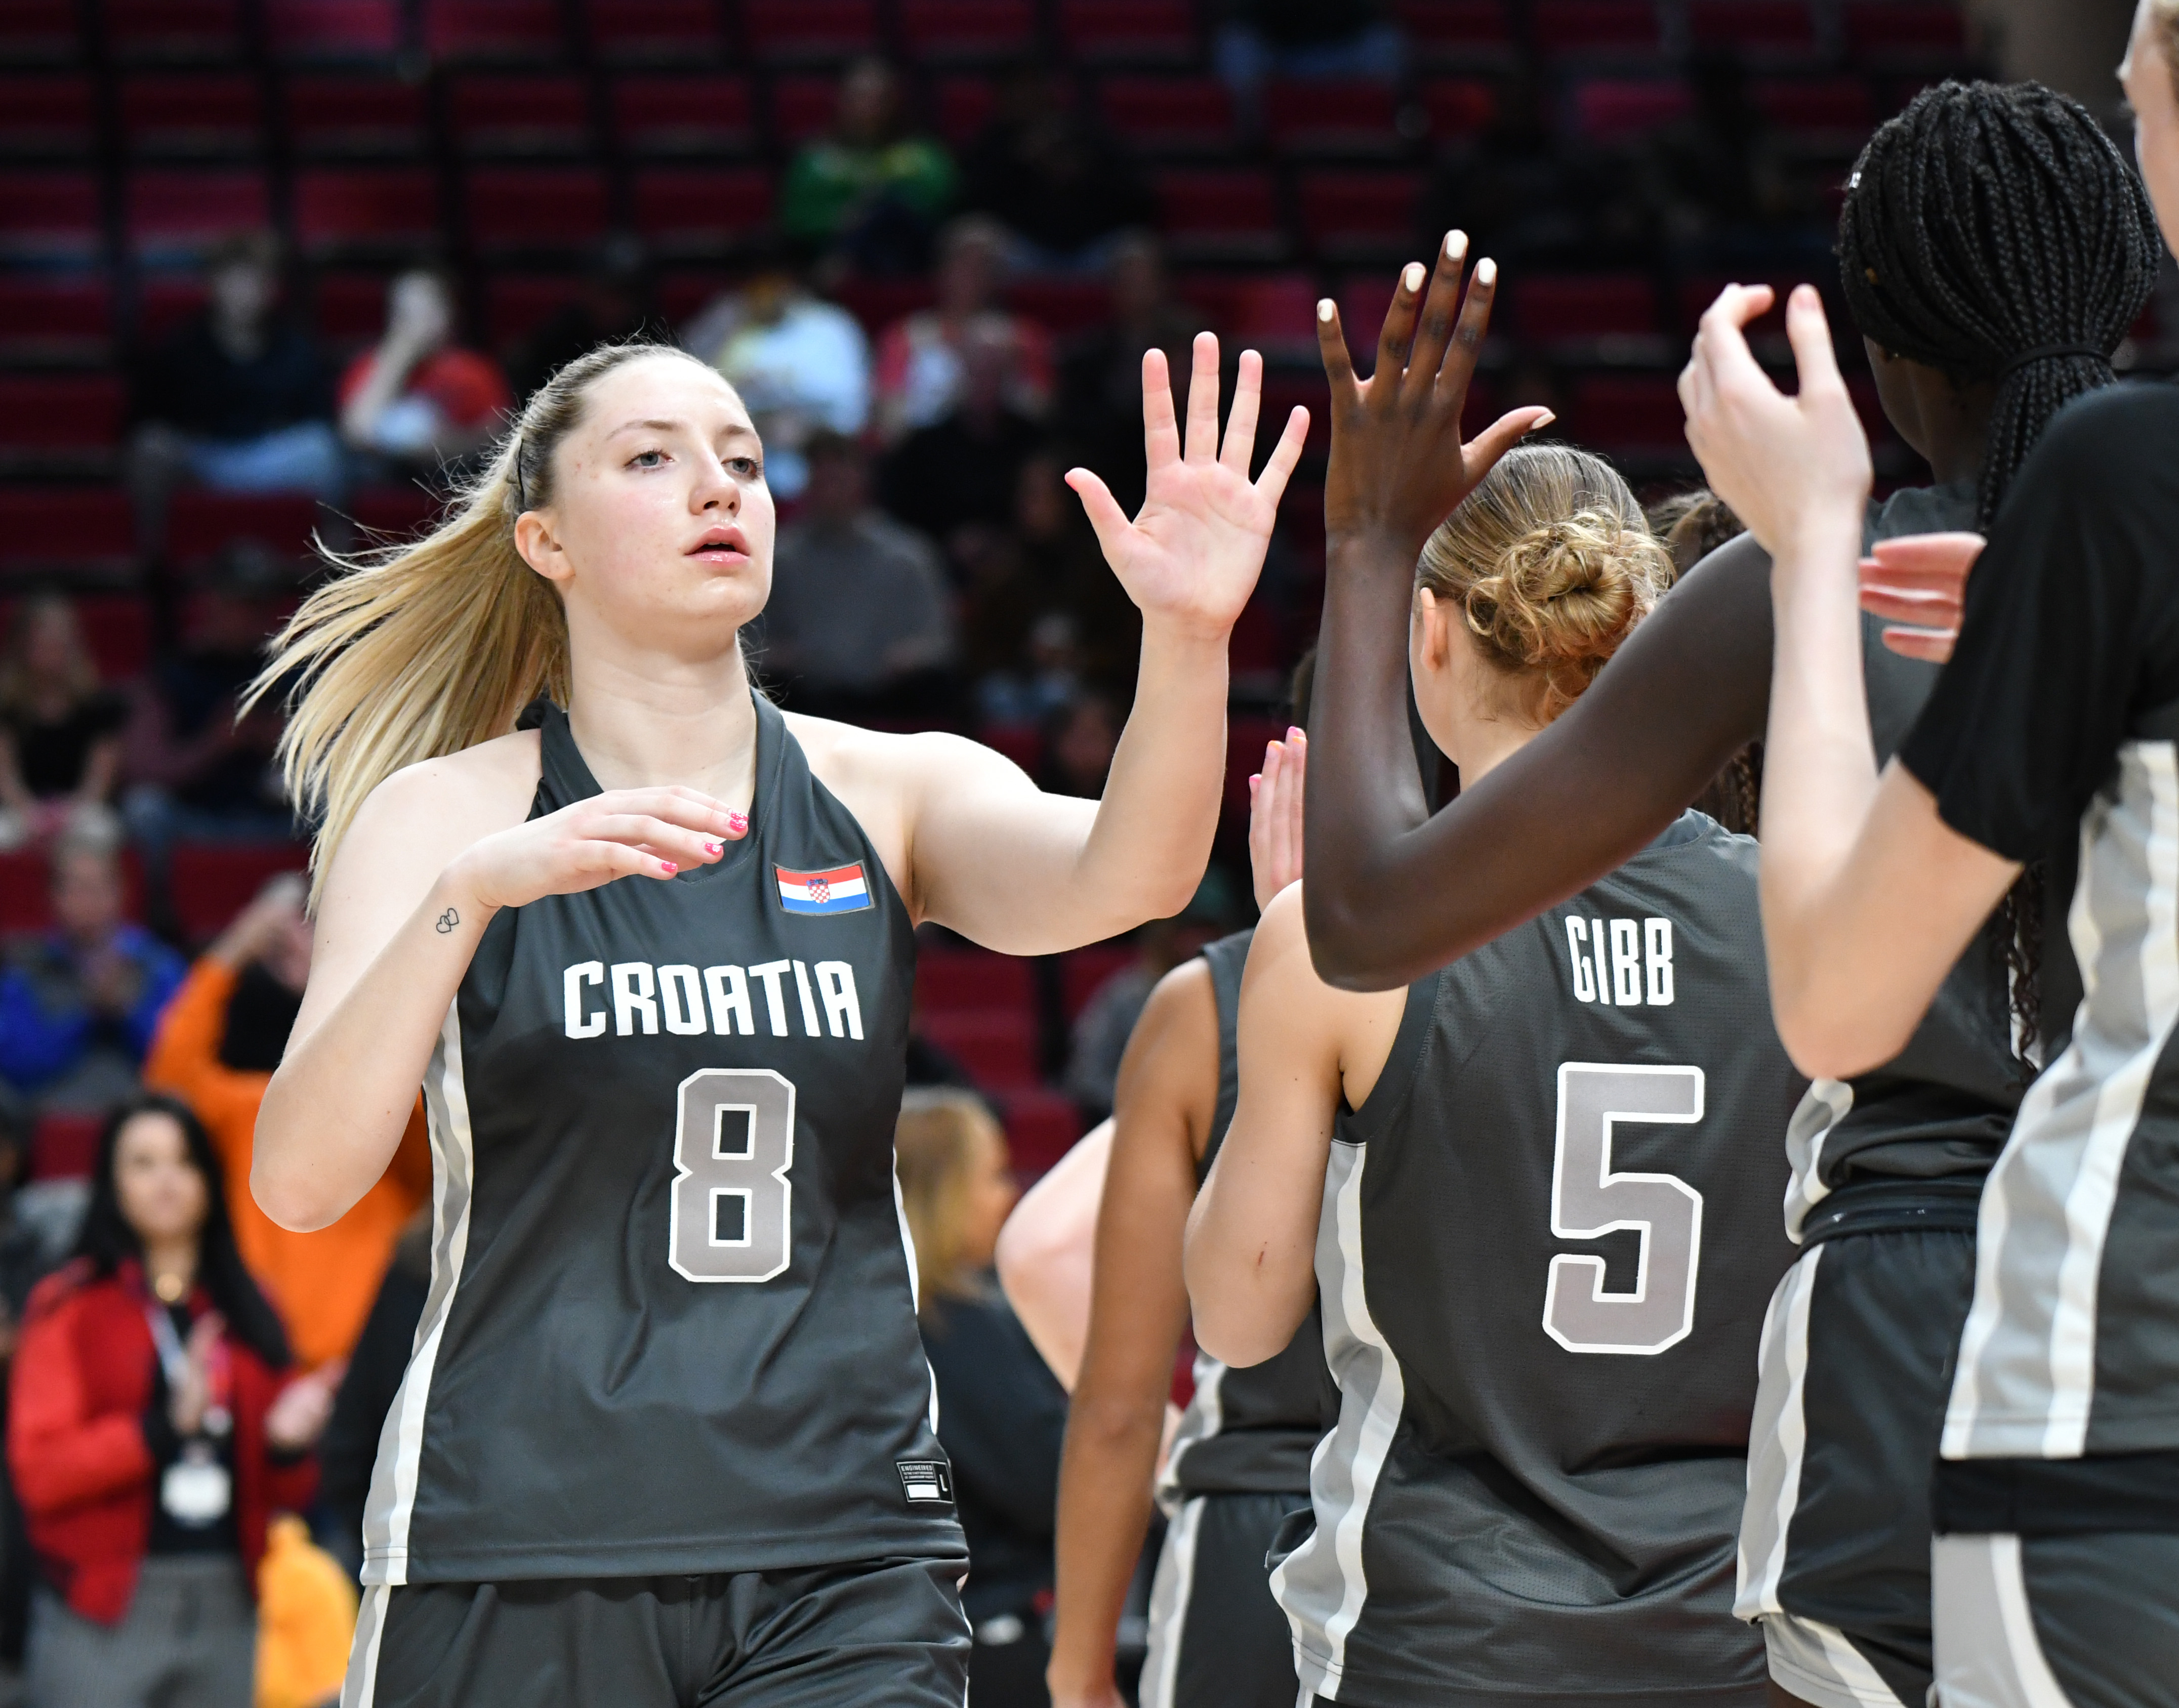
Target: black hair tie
[(2052, 353)]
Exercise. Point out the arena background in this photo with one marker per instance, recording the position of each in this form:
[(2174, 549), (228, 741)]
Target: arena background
[(624, 160)]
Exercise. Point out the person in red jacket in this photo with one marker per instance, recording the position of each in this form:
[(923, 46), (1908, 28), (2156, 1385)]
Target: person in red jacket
[(153, 1428)]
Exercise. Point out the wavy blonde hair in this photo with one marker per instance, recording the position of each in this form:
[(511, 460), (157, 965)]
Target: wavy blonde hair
[(941, 1137), (1552, 564), (414, 651)]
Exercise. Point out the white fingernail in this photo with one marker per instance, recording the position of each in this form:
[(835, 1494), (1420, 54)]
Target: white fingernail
[(1456, 243), (1486, 271), (1324, 309), (1412, 277)]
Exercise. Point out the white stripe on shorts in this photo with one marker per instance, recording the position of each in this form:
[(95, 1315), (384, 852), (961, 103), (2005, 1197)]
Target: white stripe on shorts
[(360, 1687), (1776, 1441), (1988, 1653), (1172, 1588), (1816, 1662)]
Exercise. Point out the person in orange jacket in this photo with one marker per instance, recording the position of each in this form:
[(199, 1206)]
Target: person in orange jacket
[(216, 1048)]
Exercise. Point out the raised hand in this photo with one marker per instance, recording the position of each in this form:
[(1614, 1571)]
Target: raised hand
[(1274, 817), (1398, 463), (623, 833), (1918, 584), (1781, 462), (1192, 556)]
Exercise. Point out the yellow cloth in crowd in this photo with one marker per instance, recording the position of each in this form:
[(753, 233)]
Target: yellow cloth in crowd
[(321, 1283), (305, 1619)]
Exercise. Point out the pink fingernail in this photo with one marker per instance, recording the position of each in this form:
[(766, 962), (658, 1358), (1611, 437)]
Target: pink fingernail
[(738, 823), (668, 868), (713, 849)]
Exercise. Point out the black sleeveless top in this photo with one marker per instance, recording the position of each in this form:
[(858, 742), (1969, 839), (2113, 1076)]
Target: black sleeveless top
[(1251, 1430), (672, 1325)]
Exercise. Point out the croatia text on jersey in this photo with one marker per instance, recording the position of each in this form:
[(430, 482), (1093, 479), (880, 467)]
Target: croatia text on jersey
[(1621, 963), (630, 997)]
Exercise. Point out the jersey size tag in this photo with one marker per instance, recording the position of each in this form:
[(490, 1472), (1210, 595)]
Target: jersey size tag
[(927, 1480), (842, 890)]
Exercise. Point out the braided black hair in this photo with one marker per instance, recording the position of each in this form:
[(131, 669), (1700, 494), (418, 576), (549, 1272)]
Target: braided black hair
[(1993, 232)]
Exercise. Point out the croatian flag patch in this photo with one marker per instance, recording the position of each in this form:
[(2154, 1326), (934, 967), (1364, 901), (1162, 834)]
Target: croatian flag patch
[(840, 890)]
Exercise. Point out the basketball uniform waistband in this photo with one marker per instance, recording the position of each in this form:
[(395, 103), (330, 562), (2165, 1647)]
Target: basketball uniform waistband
[(1880, 1204), (2057, 1496)]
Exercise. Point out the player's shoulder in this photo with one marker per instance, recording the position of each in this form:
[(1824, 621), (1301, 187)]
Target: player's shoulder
[(851, 751), (449, 802)]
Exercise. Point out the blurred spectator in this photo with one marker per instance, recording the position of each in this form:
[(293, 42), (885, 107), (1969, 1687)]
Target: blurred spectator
[(1101, 373), (1693, 525), (1264, 39), (1519, 191), (195, 769), (216, 1048), (306, 1606), (78, 1005), (1079, 742), (236, 399), (60, 731), (152, 1431), (415, 399), (349, 1450), (26, 1257), (1040, 678), (869, 193), (967, 467), (919, 379), (1102, 1029), (1002, 1413), (858, 625), (1059, 182), (1718, 183), (615, 305), (1065, 559), (801, 364)]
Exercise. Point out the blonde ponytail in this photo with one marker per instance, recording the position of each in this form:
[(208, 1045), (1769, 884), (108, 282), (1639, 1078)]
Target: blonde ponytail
[(1552, 564), (412, 652)]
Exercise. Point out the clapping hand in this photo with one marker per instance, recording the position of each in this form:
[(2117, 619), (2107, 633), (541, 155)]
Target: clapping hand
[(1192, 555), (1274, 817), (1918, 584)]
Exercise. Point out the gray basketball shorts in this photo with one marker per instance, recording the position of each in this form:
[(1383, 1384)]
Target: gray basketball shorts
[(888, 1634), (1217, 1638), (1855, 1369), (2085, 1621)]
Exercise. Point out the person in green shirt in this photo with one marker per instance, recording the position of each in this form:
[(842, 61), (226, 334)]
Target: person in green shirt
[(868, 190)]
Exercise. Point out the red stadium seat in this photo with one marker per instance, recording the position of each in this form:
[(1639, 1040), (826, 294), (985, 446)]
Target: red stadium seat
[(374, 207), (1321, 119), (52, 420), (1041, 1127), (964, 107), (1621, 413), (1169, 115), (1611, 110), (204, 113), (1771, 26), (212, 882), (47, 116), (386, 513), (699, 112), (1062, 306), (1822, 108), (1350, 214), (1220, 214), (952, 980), (1596, 26), (1456, 31), (165, 300), (515, 305), (351, 307), (802, 107), (1889, 29), (332, 117), (69, 318), (504, 31), (1458, 106), (37, 32), (84, 529), (1246, 738), (1129, 32), (877, 303), (690, 209), (1275, 314), (1022, 743), (174, 29), (957, 30), (997, 1046), (802, 32), (334, 29), (170, 213), (660, 32), (1597, 305), (65, 1146), (201, 524), (49, 215), (1083, 972), (519, 115)]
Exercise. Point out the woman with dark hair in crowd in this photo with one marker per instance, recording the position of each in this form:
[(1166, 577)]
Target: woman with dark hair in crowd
[(152, 1432), (1994, 250), (60, 731)]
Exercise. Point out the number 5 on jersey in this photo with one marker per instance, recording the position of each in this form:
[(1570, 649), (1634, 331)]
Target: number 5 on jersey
[(1588, 1201), (732, 1208)]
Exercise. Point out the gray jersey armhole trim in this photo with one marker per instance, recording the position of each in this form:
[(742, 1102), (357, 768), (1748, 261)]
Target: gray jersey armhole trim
[(1380, 1110)]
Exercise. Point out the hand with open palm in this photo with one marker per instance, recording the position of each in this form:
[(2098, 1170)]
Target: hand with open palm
[(1191, 557)]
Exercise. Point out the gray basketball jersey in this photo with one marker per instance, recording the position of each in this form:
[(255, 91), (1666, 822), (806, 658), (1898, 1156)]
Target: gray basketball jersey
[(670, 1327), (1915, 1137), (1547, 1241), (1250, 1431)]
